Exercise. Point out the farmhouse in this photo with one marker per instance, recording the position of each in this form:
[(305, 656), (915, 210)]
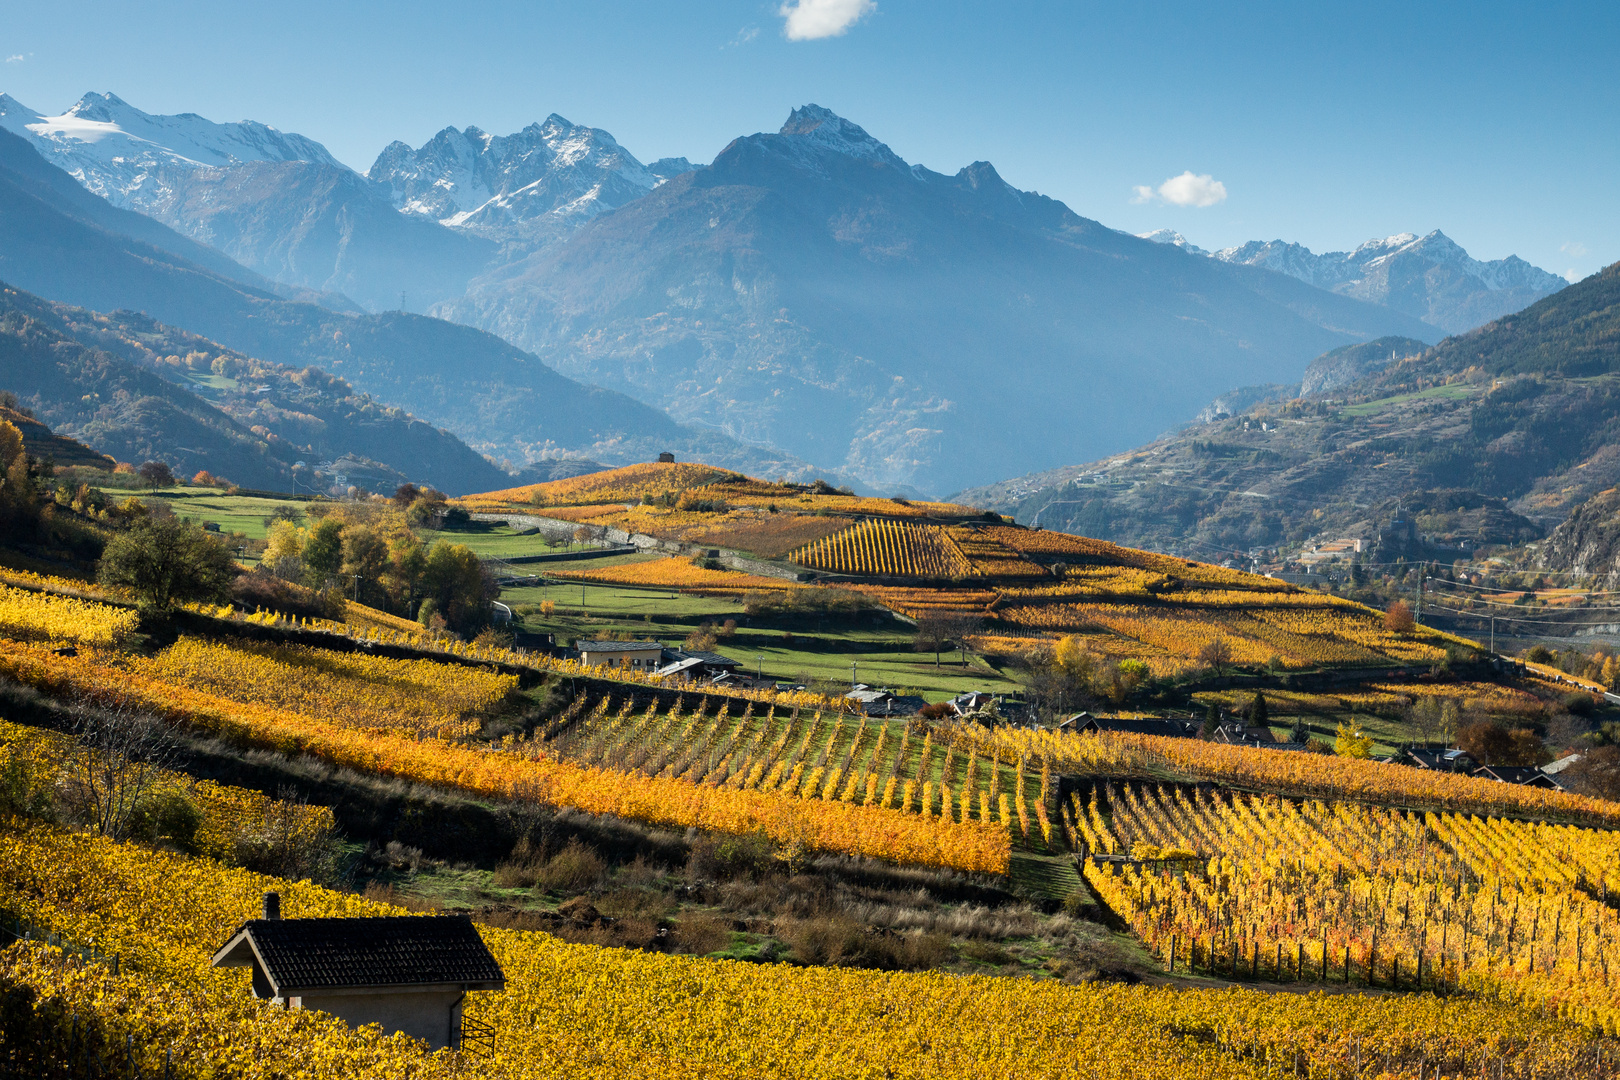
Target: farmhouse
[(637, 655), (408, 973)]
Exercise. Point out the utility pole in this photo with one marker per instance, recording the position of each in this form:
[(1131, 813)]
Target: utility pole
[(852, 666), (1419, 619), (356, 588), (759, 672), (1493, 635)]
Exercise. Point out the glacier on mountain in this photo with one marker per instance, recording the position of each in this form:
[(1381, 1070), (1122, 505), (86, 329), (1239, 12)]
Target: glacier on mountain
[(129, 157)]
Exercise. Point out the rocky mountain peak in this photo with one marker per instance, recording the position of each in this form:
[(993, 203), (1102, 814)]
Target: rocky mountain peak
[(507, 186), (824, 129)]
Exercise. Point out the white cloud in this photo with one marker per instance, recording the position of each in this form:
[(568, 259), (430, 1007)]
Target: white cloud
[(808, 20), (1574, 247), (1572, 275), (15, 58), (744, 36), (1188, 189)]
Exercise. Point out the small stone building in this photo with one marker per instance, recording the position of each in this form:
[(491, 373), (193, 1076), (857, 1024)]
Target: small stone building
[(407, 973)]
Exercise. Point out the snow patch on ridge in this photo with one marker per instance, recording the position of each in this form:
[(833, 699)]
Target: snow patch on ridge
[(120, 152)]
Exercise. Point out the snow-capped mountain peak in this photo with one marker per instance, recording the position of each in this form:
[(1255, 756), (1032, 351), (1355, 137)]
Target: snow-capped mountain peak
[(1174, 239), (491, 183), (1431, 276), (116, 150)]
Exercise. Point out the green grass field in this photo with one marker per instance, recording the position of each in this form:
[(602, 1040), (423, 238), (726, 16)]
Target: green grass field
[(233, 513), (805, 648), (1371, 408), (491, 541)]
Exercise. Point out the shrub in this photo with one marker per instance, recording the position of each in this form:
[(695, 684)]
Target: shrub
[(574, 869), (701, 934)]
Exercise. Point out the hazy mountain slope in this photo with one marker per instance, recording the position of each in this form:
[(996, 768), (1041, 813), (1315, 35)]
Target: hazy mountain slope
[(500, 399), (320, 415), (122, 410), (812, 291), (1429, 277), (40, 442), (1351, 363), (1522, 415), (32, 173), (323, 227), (298, 414)]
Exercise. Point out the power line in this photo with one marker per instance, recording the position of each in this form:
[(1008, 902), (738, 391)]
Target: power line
[(1522, 619)]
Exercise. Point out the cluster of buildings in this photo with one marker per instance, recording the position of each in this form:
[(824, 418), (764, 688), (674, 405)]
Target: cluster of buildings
[(1236, 733), (713, 669)]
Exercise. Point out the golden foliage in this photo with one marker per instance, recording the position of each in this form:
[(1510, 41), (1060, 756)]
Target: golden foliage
[(520, 769), (627, 484), (348, 689), (677, 573), (591, 1013), (40, 616)]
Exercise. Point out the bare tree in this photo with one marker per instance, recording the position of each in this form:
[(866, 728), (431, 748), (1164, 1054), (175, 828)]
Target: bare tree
[(955, 627), (931, 635), (1216, 655), (117, 756)]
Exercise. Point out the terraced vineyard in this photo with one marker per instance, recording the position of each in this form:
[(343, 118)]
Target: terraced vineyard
[(810, 754), (883, 548)]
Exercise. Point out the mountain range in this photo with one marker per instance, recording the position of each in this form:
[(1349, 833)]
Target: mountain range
[(1429, 277), (63, 243), (1490, 437), (808, 291)]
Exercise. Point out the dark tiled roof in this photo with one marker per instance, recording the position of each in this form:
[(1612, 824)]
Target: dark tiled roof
[(712, 658), (1517, 774), (315, 954), (1147, 725)]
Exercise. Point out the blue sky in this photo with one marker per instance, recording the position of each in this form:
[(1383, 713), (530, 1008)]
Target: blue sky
[(1324, 123)]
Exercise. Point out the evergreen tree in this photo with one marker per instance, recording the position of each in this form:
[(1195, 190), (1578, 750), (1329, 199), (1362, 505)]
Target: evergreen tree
[(1212, 720), (1259, 715)]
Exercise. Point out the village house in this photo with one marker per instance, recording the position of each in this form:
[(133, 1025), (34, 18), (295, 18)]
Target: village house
[(406, 973), (636, 655)]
